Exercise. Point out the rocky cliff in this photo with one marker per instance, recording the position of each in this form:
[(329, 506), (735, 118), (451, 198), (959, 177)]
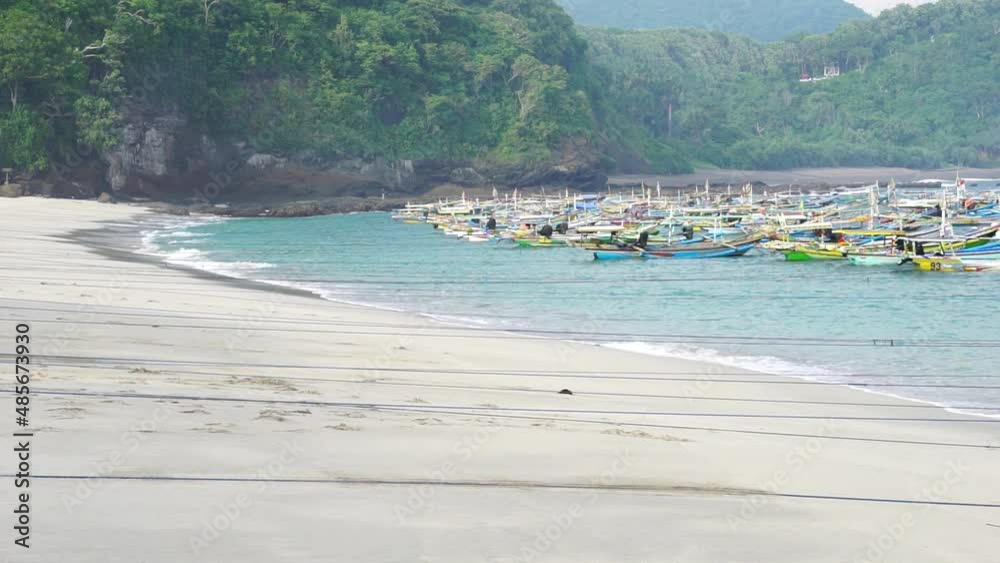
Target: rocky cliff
[(166, 158)]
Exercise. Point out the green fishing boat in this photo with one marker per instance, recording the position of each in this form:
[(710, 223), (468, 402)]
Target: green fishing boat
[(539, 243)]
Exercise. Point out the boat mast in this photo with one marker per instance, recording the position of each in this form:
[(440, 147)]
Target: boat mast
[(872, 205), (944, 212)]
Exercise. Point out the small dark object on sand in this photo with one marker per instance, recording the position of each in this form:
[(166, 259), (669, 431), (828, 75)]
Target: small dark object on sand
[(565, 392)]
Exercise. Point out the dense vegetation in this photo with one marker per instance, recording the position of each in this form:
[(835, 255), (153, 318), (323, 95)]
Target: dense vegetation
[(395, 78), (766, 20), (500, 80), (919, 87)]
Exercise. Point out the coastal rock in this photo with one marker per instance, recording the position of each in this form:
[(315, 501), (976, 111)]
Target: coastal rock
[(302, 209), (395, 174), (147, 149), (75, 190), (168, 209), (163, 156), (38, 187), (105, 197), (467, 176), (265, 161), (577, 165), (174, 210), (11, 190)]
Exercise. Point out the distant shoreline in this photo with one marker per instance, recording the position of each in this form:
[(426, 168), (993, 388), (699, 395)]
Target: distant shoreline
[(807, 177)]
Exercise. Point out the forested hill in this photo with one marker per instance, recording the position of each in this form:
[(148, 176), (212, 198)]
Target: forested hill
[(918, 87), (766, 20), (332, 84), (161, 97)]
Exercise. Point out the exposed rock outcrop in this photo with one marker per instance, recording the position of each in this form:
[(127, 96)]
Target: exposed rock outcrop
[(147, 152), (166, 158), (11, 190)]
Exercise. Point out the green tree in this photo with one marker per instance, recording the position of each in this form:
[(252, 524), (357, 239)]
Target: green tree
[(31, 50), (23, 134)]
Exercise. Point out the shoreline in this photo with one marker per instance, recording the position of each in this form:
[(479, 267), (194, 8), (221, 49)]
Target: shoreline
[(454, 448), (288, 288), (280, 206)]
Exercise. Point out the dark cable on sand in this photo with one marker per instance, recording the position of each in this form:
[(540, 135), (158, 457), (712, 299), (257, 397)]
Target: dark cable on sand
[(536, 390), (487, 414), (76, 361), (646, 489), (530, 334)]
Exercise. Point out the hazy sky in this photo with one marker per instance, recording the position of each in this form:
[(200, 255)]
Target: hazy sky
[(876, 6)]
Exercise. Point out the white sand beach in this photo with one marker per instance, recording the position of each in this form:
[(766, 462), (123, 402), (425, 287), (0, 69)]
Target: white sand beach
[(180, 417)]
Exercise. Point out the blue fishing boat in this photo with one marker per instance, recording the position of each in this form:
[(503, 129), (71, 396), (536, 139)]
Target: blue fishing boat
[(720, 251)]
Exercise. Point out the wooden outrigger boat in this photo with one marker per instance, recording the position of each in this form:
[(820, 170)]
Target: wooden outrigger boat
[(807, 253), (959, 260), (953, 264), (719, 249), (722, 252), (876, 259), (540, 242)]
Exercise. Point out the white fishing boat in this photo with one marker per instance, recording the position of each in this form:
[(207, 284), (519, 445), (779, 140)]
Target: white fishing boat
[(875, 259)]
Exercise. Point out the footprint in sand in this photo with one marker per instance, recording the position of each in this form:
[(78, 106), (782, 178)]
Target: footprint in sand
[(343, 427), (642, 434), (279, 415), (270, 382), (214, 428), (68, 412)]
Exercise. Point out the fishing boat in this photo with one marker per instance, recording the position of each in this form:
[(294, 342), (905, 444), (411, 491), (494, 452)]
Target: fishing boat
[(806, 253), (720, 252), (867, 226), (953, 264), (875, 259), (685, 253), (540, 242), (719, 249)]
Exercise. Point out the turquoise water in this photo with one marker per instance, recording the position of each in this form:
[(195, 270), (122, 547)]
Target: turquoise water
[(925, 336)]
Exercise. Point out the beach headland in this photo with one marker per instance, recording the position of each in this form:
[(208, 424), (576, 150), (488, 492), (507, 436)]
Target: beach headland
[(247, 199), (186, 417)]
